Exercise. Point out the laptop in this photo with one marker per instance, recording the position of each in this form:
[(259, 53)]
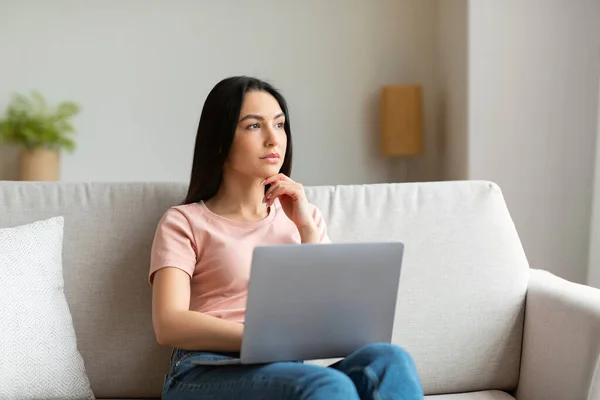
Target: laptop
[(318, 301)]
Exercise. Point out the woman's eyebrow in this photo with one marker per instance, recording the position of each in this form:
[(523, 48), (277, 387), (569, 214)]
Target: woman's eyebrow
[(252, 116), (259, 117)]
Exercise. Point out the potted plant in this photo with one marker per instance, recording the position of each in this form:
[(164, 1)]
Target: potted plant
[(41, 132)]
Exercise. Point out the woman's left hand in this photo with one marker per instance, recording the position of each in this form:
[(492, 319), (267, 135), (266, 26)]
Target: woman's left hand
[(292, 198)]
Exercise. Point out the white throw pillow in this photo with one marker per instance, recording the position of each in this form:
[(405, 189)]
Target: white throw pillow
[(39, 358)]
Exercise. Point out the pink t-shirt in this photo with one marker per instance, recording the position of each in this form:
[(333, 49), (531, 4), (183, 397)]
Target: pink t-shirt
[(217, 253)]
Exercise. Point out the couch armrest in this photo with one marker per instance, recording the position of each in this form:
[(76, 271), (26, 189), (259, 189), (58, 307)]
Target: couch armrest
[(561, 340)]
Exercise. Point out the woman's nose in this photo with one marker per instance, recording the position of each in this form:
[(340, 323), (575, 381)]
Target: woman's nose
[(271, 137)]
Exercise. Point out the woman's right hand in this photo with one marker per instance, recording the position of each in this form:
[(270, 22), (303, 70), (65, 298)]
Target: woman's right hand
[(292, 198)]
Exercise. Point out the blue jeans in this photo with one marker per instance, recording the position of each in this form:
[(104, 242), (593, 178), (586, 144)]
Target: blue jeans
[(377, 371)]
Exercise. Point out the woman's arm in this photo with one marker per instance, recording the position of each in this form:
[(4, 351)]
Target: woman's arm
[(309, 234), (176, 326)]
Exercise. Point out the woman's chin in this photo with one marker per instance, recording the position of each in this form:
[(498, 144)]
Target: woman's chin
[(270, 170)]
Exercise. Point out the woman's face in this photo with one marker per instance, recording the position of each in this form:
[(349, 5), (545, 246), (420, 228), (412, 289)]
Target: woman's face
[(260, 140)]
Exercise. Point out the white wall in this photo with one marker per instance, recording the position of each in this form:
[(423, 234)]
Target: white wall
[(142, 69), (594, 259), (422, 36), (452, 71), (533, 103)]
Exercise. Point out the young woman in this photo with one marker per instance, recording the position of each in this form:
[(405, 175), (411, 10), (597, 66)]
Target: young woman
[(240, 196)]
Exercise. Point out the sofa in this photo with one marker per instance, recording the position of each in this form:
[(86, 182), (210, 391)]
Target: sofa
[(480, 323)]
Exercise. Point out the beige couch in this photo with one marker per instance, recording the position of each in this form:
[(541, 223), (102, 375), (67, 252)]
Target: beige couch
[(480, 324)]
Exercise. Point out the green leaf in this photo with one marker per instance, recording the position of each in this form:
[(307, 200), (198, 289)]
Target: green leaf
[(30, 123), (67, 144), (66, 110)]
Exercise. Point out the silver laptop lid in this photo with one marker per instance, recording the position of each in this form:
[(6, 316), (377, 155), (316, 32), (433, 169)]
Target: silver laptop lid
[(316, 301)]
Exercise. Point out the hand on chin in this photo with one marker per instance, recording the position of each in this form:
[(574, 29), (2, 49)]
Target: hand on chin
[(292, 198)]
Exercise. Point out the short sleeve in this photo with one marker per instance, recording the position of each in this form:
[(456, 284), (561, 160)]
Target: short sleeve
[(321, 225), (173, 245)]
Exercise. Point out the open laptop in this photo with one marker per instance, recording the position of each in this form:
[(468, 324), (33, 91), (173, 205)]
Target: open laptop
[(318, 301)]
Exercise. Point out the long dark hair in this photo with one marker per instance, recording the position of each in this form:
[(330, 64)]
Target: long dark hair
[(216, 130)]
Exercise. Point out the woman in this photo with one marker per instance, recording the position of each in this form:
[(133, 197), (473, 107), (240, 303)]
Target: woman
[(240, 196)]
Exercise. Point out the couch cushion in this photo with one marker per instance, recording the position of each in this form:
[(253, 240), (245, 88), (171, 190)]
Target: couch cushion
[(107, 237), (460, 309), (38, 345), (464, 277), (488, 395)]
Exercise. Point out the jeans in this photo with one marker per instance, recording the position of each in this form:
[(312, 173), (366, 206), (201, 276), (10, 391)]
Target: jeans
[(376, 371)]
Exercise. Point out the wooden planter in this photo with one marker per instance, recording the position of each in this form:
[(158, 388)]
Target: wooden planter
[(39, 165)]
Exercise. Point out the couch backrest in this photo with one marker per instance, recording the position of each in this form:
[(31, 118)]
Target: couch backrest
[(460, 308), (464, 276)]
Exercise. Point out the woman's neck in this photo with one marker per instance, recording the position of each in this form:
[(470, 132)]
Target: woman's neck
[(239, 198)]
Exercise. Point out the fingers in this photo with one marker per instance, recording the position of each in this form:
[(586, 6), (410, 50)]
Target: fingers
[(288, 184), (275, 178), (280, 188), (270, 197)]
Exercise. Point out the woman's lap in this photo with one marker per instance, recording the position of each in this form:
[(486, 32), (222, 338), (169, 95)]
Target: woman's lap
[(358, 373), (281, 380)]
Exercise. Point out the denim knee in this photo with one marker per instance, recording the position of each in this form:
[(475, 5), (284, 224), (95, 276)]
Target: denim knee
[(386, 355), (330, 384), (386, 351)]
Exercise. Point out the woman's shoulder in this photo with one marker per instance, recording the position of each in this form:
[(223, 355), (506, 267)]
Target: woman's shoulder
[(184, 223), (183, 210), (189, 214), (186, 209)]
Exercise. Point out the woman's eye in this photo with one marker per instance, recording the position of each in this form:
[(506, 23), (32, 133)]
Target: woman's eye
[(279, 125), (253, 126)]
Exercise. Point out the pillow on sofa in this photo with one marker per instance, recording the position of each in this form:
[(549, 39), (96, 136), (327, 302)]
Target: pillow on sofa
[(39, 358)]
